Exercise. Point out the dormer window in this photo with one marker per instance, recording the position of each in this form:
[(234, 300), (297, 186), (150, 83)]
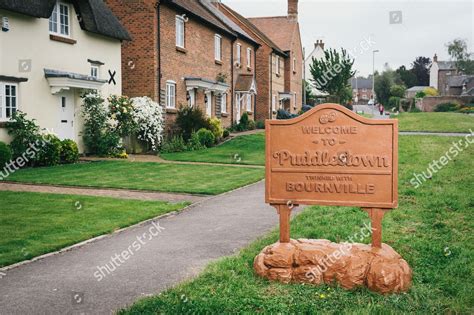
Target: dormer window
[(60, 22)]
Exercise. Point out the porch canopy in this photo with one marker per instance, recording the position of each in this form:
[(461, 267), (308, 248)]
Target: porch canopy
[(284, 96), (245, 84), (61, 80), (206, 85)]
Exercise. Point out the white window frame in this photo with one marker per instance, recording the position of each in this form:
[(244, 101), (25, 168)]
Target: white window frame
[(55, 20), (249, 57), (239, 54), (170, 94), (277, 65), (249, 103), (274, 101), (208, 103), (94, 71), (224, 103), (3, 100), (180, 31), (218, 47)]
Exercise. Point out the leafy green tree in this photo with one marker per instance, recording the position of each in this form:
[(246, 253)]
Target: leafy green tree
[(332, 73), (383, 83), (421, 70), (397, 90), (457, 49), (406, 76)]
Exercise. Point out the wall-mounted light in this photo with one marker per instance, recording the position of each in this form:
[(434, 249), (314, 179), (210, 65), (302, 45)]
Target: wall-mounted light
[(5, 24)]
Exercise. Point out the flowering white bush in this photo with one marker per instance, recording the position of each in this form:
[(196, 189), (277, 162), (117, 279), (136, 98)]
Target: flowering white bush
[(148, 115)]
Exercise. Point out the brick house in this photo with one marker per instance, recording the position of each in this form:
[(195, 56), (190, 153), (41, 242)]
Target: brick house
[(285, 32), (182, 54), (440, 71), (361, 90), (270, 67)]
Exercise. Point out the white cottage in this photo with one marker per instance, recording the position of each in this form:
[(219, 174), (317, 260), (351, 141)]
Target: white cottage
[(50, 51)]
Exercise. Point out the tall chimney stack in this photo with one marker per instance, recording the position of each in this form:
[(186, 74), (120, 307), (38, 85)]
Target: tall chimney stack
[(293, 10)]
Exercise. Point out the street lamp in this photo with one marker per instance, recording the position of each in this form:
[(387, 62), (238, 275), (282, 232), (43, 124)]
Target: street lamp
[(373, 78)]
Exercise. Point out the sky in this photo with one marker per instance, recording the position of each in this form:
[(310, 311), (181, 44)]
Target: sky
[(400, 30)]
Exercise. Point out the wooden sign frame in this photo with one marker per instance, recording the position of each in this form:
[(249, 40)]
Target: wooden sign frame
[(296, 157)]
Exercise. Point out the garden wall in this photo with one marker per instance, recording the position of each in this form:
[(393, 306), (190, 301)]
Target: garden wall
[(429, 103)]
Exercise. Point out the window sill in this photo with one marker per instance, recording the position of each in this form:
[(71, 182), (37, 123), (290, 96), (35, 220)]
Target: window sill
[(224, 115), (181, 49), (218, 62), (62, 39), (171, 110)]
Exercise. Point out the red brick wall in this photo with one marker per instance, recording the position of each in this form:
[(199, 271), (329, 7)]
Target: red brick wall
[(243, 68), (429, 103), (139, 56), (296, 77), (197, 61)]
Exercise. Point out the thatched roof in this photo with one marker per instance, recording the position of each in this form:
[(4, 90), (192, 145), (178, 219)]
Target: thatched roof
[(96, 17)]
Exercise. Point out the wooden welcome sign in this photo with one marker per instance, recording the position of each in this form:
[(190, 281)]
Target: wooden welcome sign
[(332, 156)]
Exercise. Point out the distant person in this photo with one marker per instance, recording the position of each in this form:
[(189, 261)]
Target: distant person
[(381, 109)]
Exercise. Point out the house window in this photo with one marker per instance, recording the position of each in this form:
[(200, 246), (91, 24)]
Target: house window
[(224, 103), (170, 94), (277, 65), (239, 55), (218, 47), (59, 22), (95, 72), (249, 102), (179, 31), (8, 100), (249, 57)]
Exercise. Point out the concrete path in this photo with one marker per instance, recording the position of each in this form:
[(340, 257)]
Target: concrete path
[(114, 193), (371, 110), (67, 283)]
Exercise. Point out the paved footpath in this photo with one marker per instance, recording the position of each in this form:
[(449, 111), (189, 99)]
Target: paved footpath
[(65, 283)]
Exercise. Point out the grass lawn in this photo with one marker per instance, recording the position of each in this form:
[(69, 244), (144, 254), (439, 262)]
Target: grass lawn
[(432, 229), (435, 122), (32, 224), (241, 150), (197, 179)]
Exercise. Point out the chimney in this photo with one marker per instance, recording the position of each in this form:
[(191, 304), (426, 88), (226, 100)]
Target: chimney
[(293, 10), (319, 43), (435, 58)]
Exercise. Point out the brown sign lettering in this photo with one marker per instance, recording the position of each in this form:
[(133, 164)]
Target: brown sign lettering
[(332, 156)]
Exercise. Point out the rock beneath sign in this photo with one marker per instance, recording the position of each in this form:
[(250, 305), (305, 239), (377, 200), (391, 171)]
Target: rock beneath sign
[(321, 261)]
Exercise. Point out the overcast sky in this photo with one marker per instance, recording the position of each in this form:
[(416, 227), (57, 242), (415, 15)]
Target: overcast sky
[(425, 28)]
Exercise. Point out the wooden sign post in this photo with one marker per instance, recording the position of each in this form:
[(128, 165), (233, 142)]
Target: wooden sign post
[(332, 156)]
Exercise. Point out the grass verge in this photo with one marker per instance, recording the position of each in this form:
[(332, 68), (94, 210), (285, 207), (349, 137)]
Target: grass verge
[(247, 150), (32, 224), (435, 122), (179, 178), (432, 229)]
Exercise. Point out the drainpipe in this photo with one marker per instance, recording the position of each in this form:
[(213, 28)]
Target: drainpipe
[(232, 82), (158, 22), (271, 83), (255, 79)]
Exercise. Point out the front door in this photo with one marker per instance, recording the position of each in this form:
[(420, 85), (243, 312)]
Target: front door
[(209, 104), (65, 105)]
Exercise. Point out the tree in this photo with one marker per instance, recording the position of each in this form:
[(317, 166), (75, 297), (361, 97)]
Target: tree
[(397, 91), (457, 49), (420, 68), (332, 73), (383, 83), (407, 77)]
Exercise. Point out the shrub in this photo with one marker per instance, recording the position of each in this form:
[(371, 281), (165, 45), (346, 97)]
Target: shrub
[(174, 144), (99, 136), (420, 94), (216, 128), (394, 101), (194, 143), (244, 121), (206, 137), (260, 124), (190, 119), (24, 133), (397, 91), (429, 91), (121, 111), (349, 106), (306, 108), (5, 154), (69, 152), (447, 107), (148, 116), (226, 133), (50, 152), (252, 125), (283, 114)]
